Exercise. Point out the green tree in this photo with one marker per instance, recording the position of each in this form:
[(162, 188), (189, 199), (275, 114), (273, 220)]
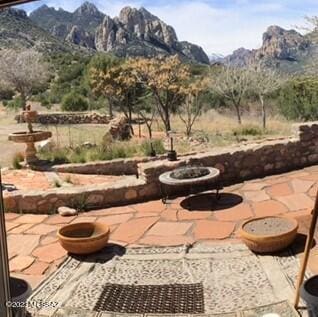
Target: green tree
[(298, 99), (74, 102), (102, 71)]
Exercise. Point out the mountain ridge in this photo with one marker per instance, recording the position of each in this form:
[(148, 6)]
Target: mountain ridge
[(134, 32)]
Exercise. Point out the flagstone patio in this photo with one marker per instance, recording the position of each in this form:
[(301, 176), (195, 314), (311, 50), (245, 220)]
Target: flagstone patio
[(34, 251)]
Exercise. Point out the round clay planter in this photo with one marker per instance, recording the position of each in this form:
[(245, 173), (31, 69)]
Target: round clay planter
[(309, 293), (20, 290), (268, 234), (84, 238)]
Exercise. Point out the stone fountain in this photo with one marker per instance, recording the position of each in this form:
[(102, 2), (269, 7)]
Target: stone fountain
[(30, 137)]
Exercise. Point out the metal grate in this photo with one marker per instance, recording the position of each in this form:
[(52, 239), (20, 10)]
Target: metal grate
[(160, 299)]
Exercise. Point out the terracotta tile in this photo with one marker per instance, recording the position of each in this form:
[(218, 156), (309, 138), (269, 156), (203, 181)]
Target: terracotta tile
[(151, 206), (313, 176), (11, 225), (22, 244), (84, 219), (268, 208), (254, 186), (169, 214), (133, 229), (299, 213), (313, 190), (301, 186), (278, 190), (193, 215), (48, 240), (208, 229), (111, 211), (37, 268), (11, 216), (165, 240), (162, 228), (41, 229), (31, 219), (58, 219), (276, 179), (115, 219), (239, 212), (21, 228), (296, 201), (20, 262), (49, 253), (256, 196)]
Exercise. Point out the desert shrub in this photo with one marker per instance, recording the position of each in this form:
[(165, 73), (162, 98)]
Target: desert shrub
[(298, 99), (252, 130), (6, 94), (16, 160), (157, 145), (74, 102), (16, 103), (55, 155)]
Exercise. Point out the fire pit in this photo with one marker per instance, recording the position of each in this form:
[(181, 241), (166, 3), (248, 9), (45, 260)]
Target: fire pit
[(191, 176)]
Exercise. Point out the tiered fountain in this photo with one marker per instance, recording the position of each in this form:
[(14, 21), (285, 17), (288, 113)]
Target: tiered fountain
[(30, 137)]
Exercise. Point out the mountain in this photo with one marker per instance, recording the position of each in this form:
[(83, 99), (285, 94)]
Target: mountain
[(18, 31), (135, 32), (77, 27), (284, 49)]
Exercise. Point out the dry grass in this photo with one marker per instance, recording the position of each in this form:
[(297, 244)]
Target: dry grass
[(211, 130)]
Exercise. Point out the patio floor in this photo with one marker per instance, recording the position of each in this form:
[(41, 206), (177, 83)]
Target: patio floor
[(34, 251)]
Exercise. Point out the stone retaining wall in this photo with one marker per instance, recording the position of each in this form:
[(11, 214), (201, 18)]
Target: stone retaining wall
[(249, 161), (237, 163), (69, 118)]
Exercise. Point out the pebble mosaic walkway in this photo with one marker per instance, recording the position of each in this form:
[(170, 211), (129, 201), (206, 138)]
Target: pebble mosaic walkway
[(34, 251)]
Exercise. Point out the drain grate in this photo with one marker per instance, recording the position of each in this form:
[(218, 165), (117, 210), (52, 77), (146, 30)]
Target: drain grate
[(160, 299)]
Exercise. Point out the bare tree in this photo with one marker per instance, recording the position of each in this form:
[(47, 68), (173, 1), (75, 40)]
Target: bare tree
[(192, 106), (232, 84), (263, 82), (23, 71)]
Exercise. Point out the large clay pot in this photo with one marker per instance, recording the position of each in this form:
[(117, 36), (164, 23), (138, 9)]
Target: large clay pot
[(84, 238), (20, 291), (309, 293), (281, 233)]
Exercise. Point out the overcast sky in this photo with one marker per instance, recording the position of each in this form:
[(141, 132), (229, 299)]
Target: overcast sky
[(219, 26)]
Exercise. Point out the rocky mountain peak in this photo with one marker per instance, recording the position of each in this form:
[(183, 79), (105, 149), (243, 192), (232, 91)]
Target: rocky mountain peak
[(135, 32), (19, 13), (87, 8)]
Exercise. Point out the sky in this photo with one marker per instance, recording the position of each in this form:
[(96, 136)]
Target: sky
[(218, 26)]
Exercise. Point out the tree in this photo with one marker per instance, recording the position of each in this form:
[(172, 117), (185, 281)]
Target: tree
[(165, 78), (74, 102), (23, 71), (263, 82), (102, 71), (193, 104), (232, 84)]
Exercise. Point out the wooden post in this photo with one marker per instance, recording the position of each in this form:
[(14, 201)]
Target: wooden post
[(309, 243)]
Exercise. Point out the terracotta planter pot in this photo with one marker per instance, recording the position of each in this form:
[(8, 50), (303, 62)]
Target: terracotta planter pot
[(272, 242), (84, 238), (309, 293)]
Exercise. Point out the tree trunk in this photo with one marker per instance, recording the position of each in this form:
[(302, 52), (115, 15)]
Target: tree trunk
[(167, 120), (110, 108), (238, 113), (261, 98), (130, 121), (149, 130), (23, 98)]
